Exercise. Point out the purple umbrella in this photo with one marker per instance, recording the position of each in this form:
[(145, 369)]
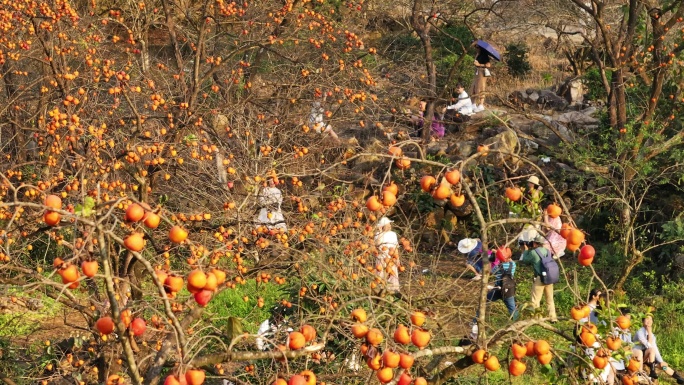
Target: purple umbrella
[(490, 50)]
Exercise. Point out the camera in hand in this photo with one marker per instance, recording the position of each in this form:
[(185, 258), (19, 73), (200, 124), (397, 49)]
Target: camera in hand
[(522, 243)]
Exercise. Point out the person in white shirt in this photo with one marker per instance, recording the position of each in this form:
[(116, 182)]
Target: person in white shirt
[(647, 348), (317, 122), (270, 198), (463, 105), (387, 261)]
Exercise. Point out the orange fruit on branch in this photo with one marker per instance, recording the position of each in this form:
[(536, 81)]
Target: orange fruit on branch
[(613, 343), (544, 359), (151, 220), (420, 338), (516, 367), (89, 268), (297, 379), (479, 356), (69, 274), (359, 315), (105, 325), (373, 204), (308, 332), (492, 364), (53, 202), (297, 340), (453, 176), (402, 335), (406, 360), (374, 337), (197, 279), (388, 199), (579, 311), (427, 183), (195, 377), (134, 212), (392, 187), (395, 151), (52, 218), (518, 350), (359, 330), (575, 237), (390, 359), (565, 230), (541, 347), (134, 242), (554, 210), (513, 193), (385, 375), (457, 200), (418, 318), (587, 252), (623, 322), (443, 191), (177, 234), (309, 376)]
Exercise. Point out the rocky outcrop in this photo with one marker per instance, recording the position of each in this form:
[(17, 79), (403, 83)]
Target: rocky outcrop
[(541, 99)]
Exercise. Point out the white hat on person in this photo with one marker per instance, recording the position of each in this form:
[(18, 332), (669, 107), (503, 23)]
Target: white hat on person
[(467, 245), (534, 180), (384, 221), (528, 234)]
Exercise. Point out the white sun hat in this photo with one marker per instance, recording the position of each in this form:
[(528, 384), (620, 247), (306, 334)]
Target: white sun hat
[(528, 234), (467, 245), (534, 180), (384, 221)]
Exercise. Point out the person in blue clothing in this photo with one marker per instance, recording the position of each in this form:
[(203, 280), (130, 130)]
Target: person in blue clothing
[(647, 348), (506, 266), (472, 248)]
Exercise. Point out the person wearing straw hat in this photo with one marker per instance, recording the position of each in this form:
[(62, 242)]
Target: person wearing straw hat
[(472, 248), (533, 196), (387, 261), (534, 257), (533, 186)]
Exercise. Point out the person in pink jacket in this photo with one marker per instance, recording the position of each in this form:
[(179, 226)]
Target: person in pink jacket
[(554, 241)]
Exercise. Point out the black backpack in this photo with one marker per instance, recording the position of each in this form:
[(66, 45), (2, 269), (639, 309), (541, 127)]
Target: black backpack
[(507, 283)]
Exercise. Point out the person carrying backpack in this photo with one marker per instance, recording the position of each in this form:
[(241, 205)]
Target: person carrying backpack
[(503, 289), (546, 273)]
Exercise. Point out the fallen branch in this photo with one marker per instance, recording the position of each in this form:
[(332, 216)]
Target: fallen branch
[(253, 356)]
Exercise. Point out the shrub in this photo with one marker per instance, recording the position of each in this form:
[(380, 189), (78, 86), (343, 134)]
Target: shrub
[(516, 59)]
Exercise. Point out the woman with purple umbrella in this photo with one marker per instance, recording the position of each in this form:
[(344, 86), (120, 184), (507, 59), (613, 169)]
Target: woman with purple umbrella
[(483, 57)]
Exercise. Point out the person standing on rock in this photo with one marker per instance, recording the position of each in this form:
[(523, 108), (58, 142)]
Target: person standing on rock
[(482, 72)]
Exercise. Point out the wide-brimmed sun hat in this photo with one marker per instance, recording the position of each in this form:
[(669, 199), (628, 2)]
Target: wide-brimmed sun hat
[(467, 245), (534, 180), (528, 234)]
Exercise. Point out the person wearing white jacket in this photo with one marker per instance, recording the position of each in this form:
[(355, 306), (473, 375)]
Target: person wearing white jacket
[(463, 105)]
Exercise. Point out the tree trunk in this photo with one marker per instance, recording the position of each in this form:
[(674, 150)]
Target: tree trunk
[(637, 258), (617, 108)]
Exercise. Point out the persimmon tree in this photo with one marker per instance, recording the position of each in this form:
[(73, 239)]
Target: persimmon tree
[(142, 135)]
